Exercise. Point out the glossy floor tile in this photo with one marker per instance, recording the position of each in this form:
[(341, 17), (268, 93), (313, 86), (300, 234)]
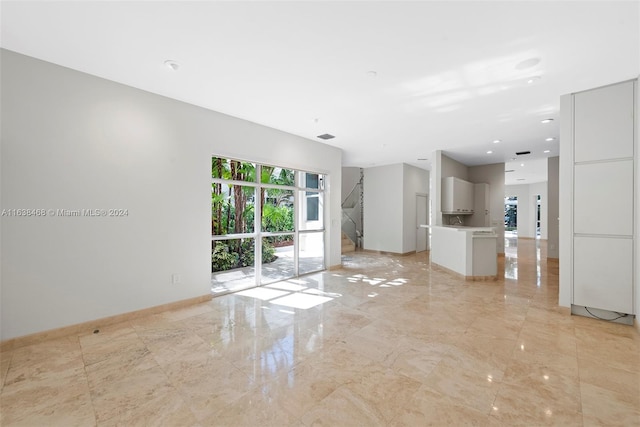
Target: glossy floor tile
[(383, 341)]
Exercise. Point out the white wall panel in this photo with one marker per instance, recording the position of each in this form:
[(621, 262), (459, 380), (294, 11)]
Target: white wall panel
[(603, 271), (604, 123), (603, 198)]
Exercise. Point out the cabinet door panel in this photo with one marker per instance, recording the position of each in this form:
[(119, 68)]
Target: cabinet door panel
[(603, 271), (603, 198), (603, 120)]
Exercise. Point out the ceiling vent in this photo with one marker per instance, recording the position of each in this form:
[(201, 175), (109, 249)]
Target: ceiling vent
[(510, 170), (326, 136), (522, 153)]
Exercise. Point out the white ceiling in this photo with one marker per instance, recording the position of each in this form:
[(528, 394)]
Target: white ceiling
[(449, 75)]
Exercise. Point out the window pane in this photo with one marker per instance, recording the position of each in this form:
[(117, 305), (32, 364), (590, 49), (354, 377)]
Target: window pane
[(233, 169), (232, 209), (277, 210), (277, 257), (311, 212), (276, 175), (232, 265), (311, 252), (311, 180)]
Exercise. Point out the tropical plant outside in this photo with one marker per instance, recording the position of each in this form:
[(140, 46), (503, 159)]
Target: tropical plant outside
[(232, 212)]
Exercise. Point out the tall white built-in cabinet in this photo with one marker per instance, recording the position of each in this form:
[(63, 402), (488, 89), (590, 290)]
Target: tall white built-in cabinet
[(598, 134)]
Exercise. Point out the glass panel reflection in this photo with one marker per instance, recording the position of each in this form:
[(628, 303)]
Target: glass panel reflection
[(311, 252), (278, 258), (311, 214), (232, 265)]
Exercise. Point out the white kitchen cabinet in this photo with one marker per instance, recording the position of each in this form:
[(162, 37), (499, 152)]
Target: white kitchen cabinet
[(481, 216), (603, 269), (603, 123), (601, 164), (603, 198), (457, 196)]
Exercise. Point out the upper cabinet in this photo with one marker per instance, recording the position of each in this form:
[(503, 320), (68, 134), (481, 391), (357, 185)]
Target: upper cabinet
[(457, 196), (603, 123)]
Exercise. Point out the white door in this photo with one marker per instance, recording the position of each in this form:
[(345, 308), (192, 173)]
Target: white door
[(422, 204)]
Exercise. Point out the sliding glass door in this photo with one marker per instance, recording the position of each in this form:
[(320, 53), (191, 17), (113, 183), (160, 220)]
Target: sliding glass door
[(267, 224)]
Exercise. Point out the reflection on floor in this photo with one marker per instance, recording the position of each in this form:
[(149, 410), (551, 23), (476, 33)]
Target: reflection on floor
[(383, 341)]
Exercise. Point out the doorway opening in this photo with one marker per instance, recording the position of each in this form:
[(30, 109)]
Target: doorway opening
[(537, 215), (511, 216)]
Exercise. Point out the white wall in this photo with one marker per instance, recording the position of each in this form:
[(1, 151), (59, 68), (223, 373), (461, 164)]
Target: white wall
[(565, 224), (442, 166), (390, 207), (383, 208), (493, 175), (74, 141), (452, 167), (553, 171), (637, 207), (416, 181), (350, 177)]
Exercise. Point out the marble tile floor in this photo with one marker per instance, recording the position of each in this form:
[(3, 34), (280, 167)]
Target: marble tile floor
[(383, 341)]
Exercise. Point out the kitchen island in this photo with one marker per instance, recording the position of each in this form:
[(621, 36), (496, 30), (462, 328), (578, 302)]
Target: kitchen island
[(468, 251)]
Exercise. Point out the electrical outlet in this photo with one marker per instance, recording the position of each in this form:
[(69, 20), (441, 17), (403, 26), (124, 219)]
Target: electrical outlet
[(175, 279)]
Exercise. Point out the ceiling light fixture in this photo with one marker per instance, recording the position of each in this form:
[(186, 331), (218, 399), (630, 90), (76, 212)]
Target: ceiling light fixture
[(489, 152), (533, 79), (546, 120), (546, 151), (497, 141), (550, 139), (173, 65), (521, 164)]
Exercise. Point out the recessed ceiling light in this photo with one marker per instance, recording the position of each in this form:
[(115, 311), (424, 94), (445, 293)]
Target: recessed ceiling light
[(546, 151), (546, 121), (497, 141), (533, 79), (521, 164), (169, 63), (550, 139), (489, 152)]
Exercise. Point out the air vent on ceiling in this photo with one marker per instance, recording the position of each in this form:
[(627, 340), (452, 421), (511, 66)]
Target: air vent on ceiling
[(521, 153), (326, 136), (510, 170)]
